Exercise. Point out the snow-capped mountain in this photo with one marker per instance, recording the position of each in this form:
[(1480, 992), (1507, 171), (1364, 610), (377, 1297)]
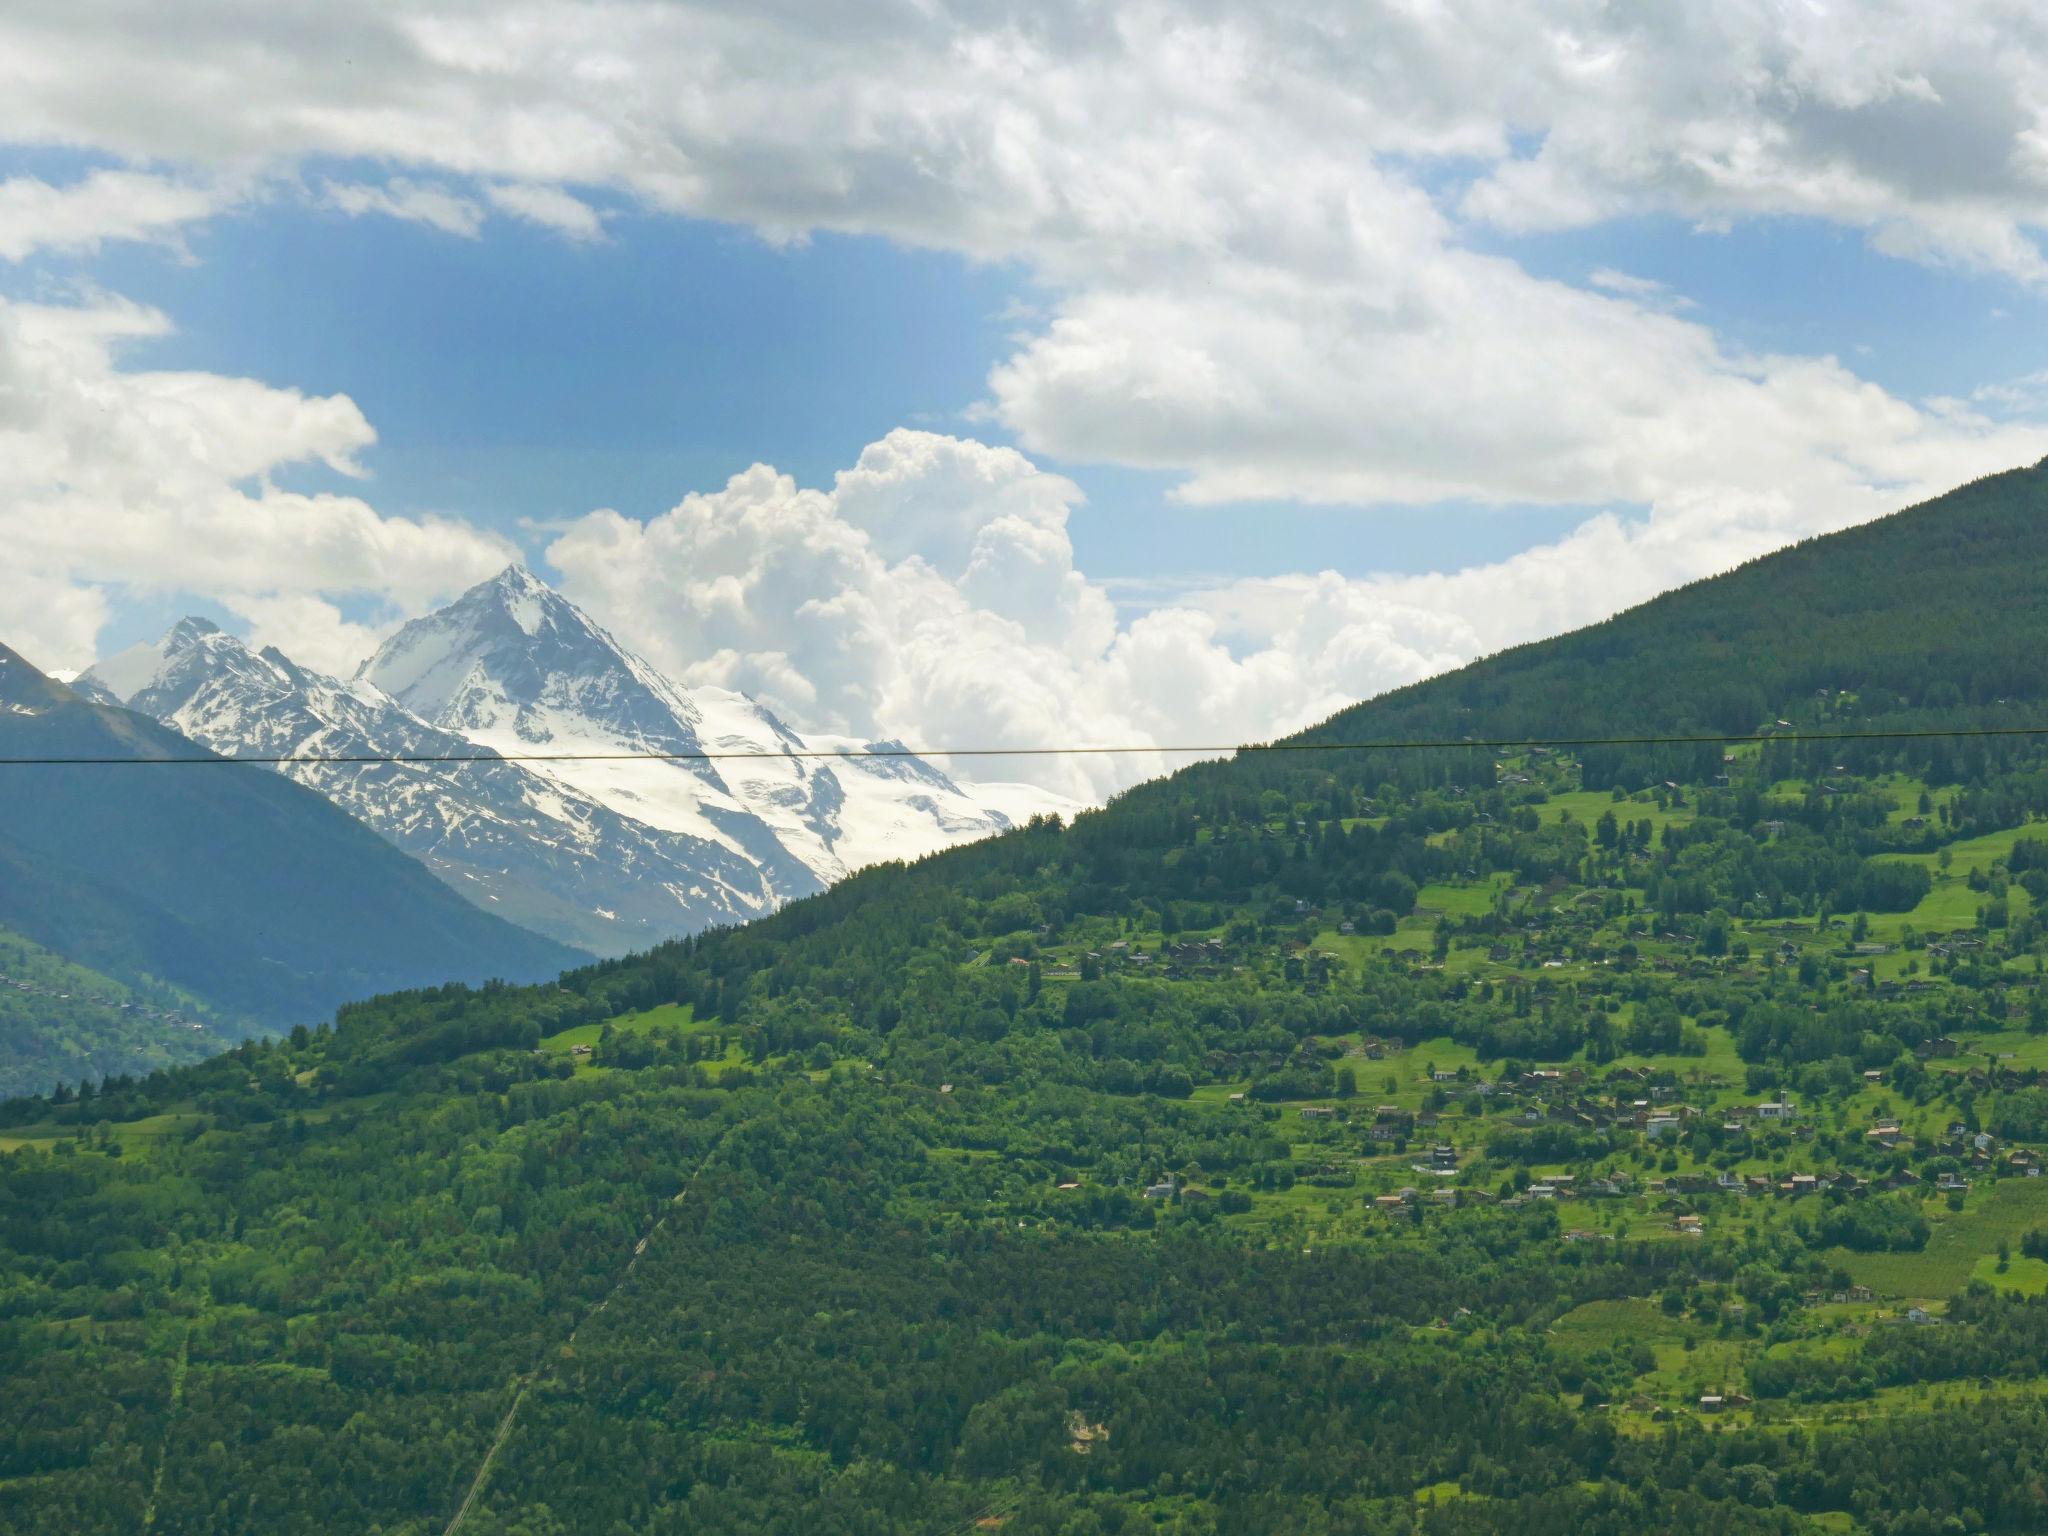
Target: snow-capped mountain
[(515, 666), (609, 853), (515, 842)]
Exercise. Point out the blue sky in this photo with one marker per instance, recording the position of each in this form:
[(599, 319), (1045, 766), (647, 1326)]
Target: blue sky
[(1373, 340), (527, 378), (531, 378)]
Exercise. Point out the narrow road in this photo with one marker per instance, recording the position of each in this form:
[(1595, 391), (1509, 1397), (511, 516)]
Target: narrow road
[(156, 1481), (524, 1382)]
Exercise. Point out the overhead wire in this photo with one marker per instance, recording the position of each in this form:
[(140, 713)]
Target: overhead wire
[(1790, 735)]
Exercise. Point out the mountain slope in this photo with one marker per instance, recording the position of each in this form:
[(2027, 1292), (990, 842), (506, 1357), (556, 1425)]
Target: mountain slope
[(236, 885), (525, 847), (1938, 606), (61, 1023), (1373, 1141)]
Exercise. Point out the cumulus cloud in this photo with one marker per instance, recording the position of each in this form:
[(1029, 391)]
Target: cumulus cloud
[(931, 595), (139, 481), (1251, 284), (105, 205), (1252, 229)]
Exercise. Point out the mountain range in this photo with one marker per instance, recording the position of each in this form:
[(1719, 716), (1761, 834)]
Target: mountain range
[(641, 836)]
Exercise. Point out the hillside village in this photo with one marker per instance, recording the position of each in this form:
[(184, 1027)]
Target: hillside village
[(1532, 1138)]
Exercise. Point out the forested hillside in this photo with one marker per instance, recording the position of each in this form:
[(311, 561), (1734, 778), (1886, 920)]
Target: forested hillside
[(60, 1022), (1456, 1140)]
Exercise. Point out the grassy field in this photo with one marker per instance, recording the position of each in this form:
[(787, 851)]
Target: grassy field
[(1589, 805), (667, 1016), (1465, 899), (134, 1135), (1960, 1242)]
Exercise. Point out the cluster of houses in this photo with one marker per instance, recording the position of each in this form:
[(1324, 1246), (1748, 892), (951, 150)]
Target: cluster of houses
[(141, 1010)]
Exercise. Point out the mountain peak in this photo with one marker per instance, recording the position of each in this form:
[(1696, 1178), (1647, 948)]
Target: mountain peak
[(513, 655), (24, 690), (517, 577), (188, 631), (523, 596)]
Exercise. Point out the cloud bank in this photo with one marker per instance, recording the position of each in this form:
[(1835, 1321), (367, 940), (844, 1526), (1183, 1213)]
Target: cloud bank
[(1257, 230)]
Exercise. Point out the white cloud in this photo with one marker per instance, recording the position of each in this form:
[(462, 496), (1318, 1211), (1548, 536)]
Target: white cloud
[(308, 628), (1250, 285), (163, 482), (1254, 278), (1644, 290), (103, 206), (550, 206), (415, 202), (851, 609)]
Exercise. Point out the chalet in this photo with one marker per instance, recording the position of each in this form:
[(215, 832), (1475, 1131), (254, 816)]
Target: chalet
[(1783, 1109), (1317, 1112), (1712, 1403), (1943, 1046), (1951, 1181), (1390, 1123), (1657, 1127), (1920, 1316), (1163, 1191), (1691, 1226), (1443, 1075), (1388, 1202)]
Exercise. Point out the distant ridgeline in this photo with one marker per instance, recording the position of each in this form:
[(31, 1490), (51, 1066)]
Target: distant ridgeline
[(1459, 1140), (255, 900)]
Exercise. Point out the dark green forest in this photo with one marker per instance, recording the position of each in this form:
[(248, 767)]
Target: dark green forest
[(1465, 1139)]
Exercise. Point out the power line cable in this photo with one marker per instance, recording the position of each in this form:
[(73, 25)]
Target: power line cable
[(1493, 744)]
